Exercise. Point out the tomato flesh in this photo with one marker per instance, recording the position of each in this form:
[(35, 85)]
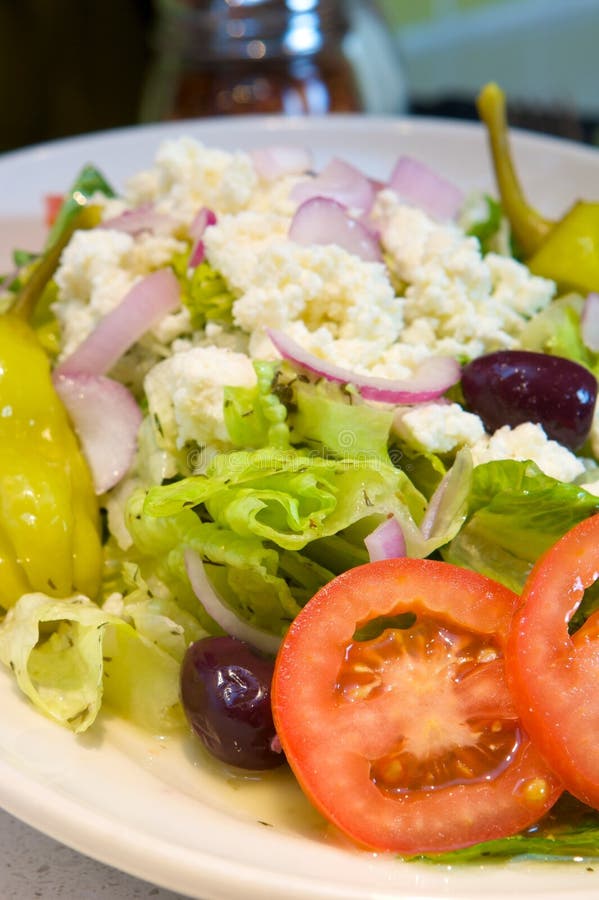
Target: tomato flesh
[(409, 741), (554, 674), (438, 746)]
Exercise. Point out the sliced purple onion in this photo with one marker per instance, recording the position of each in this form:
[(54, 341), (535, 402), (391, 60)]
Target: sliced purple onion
[(387, 541), (341, 182), (589, 322), (106, 419), (279, 160), (148, 301), (142, 218), (430, 517), (321, 220), (222, 614), (420, 186), (204, 218), (430, 380), (448, 506)]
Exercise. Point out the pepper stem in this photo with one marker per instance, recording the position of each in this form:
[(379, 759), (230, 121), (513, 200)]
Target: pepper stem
[(528, 226), (29, 295)]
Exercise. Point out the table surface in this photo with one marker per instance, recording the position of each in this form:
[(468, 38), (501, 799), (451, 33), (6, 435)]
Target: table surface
[(34, 865)]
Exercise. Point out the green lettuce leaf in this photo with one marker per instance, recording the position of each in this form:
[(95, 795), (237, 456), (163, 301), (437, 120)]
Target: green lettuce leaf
[(156, 615), (242, 569), (556, 330), (272, 526), (326, 419), (569, 832), (256, 417), (70, 655), (88, 182), (291, 498), (515, 513), (486, 227), (331, 420), (205, 293)]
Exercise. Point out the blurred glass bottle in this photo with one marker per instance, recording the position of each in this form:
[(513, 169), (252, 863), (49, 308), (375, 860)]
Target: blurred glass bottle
[(295, 57)]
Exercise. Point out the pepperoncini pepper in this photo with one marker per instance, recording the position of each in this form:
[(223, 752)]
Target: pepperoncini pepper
[(49, 521), (566, 251)]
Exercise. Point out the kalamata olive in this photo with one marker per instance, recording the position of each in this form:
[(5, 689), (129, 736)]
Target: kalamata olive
[(514, 386), (225, 690)]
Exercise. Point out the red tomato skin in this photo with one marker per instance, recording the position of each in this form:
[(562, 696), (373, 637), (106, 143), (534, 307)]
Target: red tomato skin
[(336, 778), (553, 675), (52, 204)]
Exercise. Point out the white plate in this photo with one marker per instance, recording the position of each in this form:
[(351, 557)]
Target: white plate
[(155, 808)]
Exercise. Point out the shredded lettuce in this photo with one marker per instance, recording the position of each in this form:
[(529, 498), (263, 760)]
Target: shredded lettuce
[(243, 570), (88, 182), (515, 513), (256, 417), (285, 410), (69, 655), (291, 498), (556, 330), (272, 526), (570, 831), (205, 293)]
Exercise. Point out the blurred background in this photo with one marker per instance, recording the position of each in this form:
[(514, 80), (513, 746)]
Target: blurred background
[(73, 66)]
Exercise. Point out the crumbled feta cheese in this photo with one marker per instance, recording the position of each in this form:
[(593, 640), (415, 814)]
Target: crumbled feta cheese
[(236, 243), (592, 487), (529, 441), (187, 175), (280, 283), (457, 302), (186, 393), (439, 427), (97, 269), (275, 197)]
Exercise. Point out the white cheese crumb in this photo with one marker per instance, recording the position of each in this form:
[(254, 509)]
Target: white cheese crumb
[(186, 393), (457, 302), (438, 427), (529, 441)]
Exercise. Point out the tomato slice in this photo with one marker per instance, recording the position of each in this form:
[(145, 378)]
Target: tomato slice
[(408, 740), (52, 204), (554, 674)]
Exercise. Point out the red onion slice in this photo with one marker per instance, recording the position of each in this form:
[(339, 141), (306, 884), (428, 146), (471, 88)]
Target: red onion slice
[(341, 182), (142, 218), (321, 220), (589, 322), (431, 379), (202, 221), (279, 160), (420, 186), (148, 301), (220, 612), (106, 419), (448, 506), (387, 541)]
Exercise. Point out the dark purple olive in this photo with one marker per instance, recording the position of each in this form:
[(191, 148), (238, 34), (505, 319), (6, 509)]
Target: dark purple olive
[(225, 690), (514, 386)]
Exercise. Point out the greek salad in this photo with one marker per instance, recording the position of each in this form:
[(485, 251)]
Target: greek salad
[(308, 462)]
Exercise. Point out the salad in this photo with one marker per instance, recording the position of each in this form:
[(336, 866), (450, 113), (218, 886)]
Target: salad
[(309, 462)]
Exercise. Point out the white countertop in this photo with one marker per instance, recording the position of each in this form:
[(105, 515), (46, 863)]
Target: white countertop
[(34, 865)]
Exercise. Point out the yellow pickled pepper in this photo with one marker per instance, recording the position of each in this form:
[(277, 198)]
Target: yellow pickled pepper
[(49, 521), (566, 251)]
